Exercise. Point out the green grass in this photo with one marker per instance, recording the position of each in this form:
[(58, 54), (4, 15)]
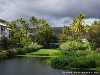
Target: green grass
[(97, 68), (41, 53), (44, 51)]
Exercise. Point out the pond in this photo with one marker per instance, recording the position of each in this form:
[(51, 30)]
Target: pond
[(35, 66)]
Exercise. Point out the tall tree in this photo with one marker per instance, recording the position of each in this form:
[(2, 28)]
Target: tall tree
[(14, 32), (24, 31), (77, 25), (33, 20), (93, 37), (66, 30), (43, 33)]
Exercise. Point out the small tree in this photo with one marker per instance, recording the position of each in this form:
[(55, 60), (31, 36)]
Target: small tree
[(5, 42), (62, 38), (93, 37)]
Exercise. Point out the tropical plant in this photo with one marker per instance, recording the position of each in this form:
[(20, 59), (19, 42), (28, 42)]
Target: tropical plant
[(5, 42), (24, 31), (77, 25), (62, 38), (43, 33), (93, 37), (65, 30)]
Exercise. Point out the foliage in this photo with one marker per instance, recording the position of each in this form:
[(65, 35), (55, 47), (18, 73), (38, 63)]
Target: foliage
[(33, 20), (66, 30), (10, 53), (93, 36), (58, 62), (5, 42), (14, 33), (2, 55), (35, 47), (19, 35), (62, 38), (43, 33), (77, 26), (97, 58), (74, 45), (77, 59), (25, 40), (19, 51)]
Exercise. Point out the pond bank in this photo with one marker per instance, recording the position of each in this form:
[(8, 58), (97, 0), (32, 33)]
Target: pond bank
[(42, 53)]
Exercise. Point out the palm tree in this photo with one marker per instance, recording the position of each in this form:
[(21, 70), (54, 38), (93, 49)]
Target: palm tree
[(45, 32), (33, 20), (77, 25), (65, 30), (25, 29)]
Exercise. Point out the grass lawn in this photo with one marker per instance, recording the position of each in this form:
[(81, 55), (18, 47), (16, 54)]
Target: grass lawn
[(41, 53), (44, 51)]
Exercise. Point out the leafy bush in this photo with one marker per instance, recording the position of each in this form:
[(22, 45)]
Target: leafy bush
[(20, 51), (2, 55), (97, 58), (27, 49), (5, 42), (93, 36), (34, 47), (74, 45), (83, 62), (58, 62), (10, 53), (77, 59)]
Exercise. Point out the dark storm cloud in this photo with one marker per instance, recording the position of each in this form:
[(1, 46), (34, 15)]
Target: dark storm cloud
[(56, 12)]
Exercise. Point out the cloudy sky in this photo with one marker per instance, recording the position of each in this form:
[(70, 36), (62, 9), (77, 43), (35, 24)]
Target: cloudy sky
[(55, 12)]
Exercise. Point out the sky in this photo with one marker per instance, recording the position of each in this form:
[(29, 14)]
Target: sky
[(56, 12)]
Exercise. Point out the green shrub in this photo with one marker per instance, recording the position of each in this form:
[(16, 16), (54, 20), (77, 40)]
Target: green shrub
[(2, 55), (74, 45), (10, 53), (86, 45), (34, 47), (58, 62), (77, 59), (20, 51), (97, 58), (83, 62), (27, 49), (5, 42)]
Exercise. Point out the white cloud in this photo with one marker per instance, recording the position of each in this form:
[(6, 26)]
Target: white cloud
[(89, 21)]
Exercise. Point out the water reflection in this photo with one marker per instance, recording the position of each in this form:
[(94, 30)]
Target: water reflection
[(35, 66)]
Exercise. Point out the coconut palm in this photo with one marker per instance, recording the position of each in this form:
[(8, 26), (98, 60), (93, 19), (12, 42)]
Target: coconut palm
[(24, 30), (66, 30), (77, 25), (33, 20)]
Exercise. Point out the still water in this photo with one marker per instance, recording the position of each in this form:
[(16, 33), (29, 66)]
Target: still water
[(35, 66)]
